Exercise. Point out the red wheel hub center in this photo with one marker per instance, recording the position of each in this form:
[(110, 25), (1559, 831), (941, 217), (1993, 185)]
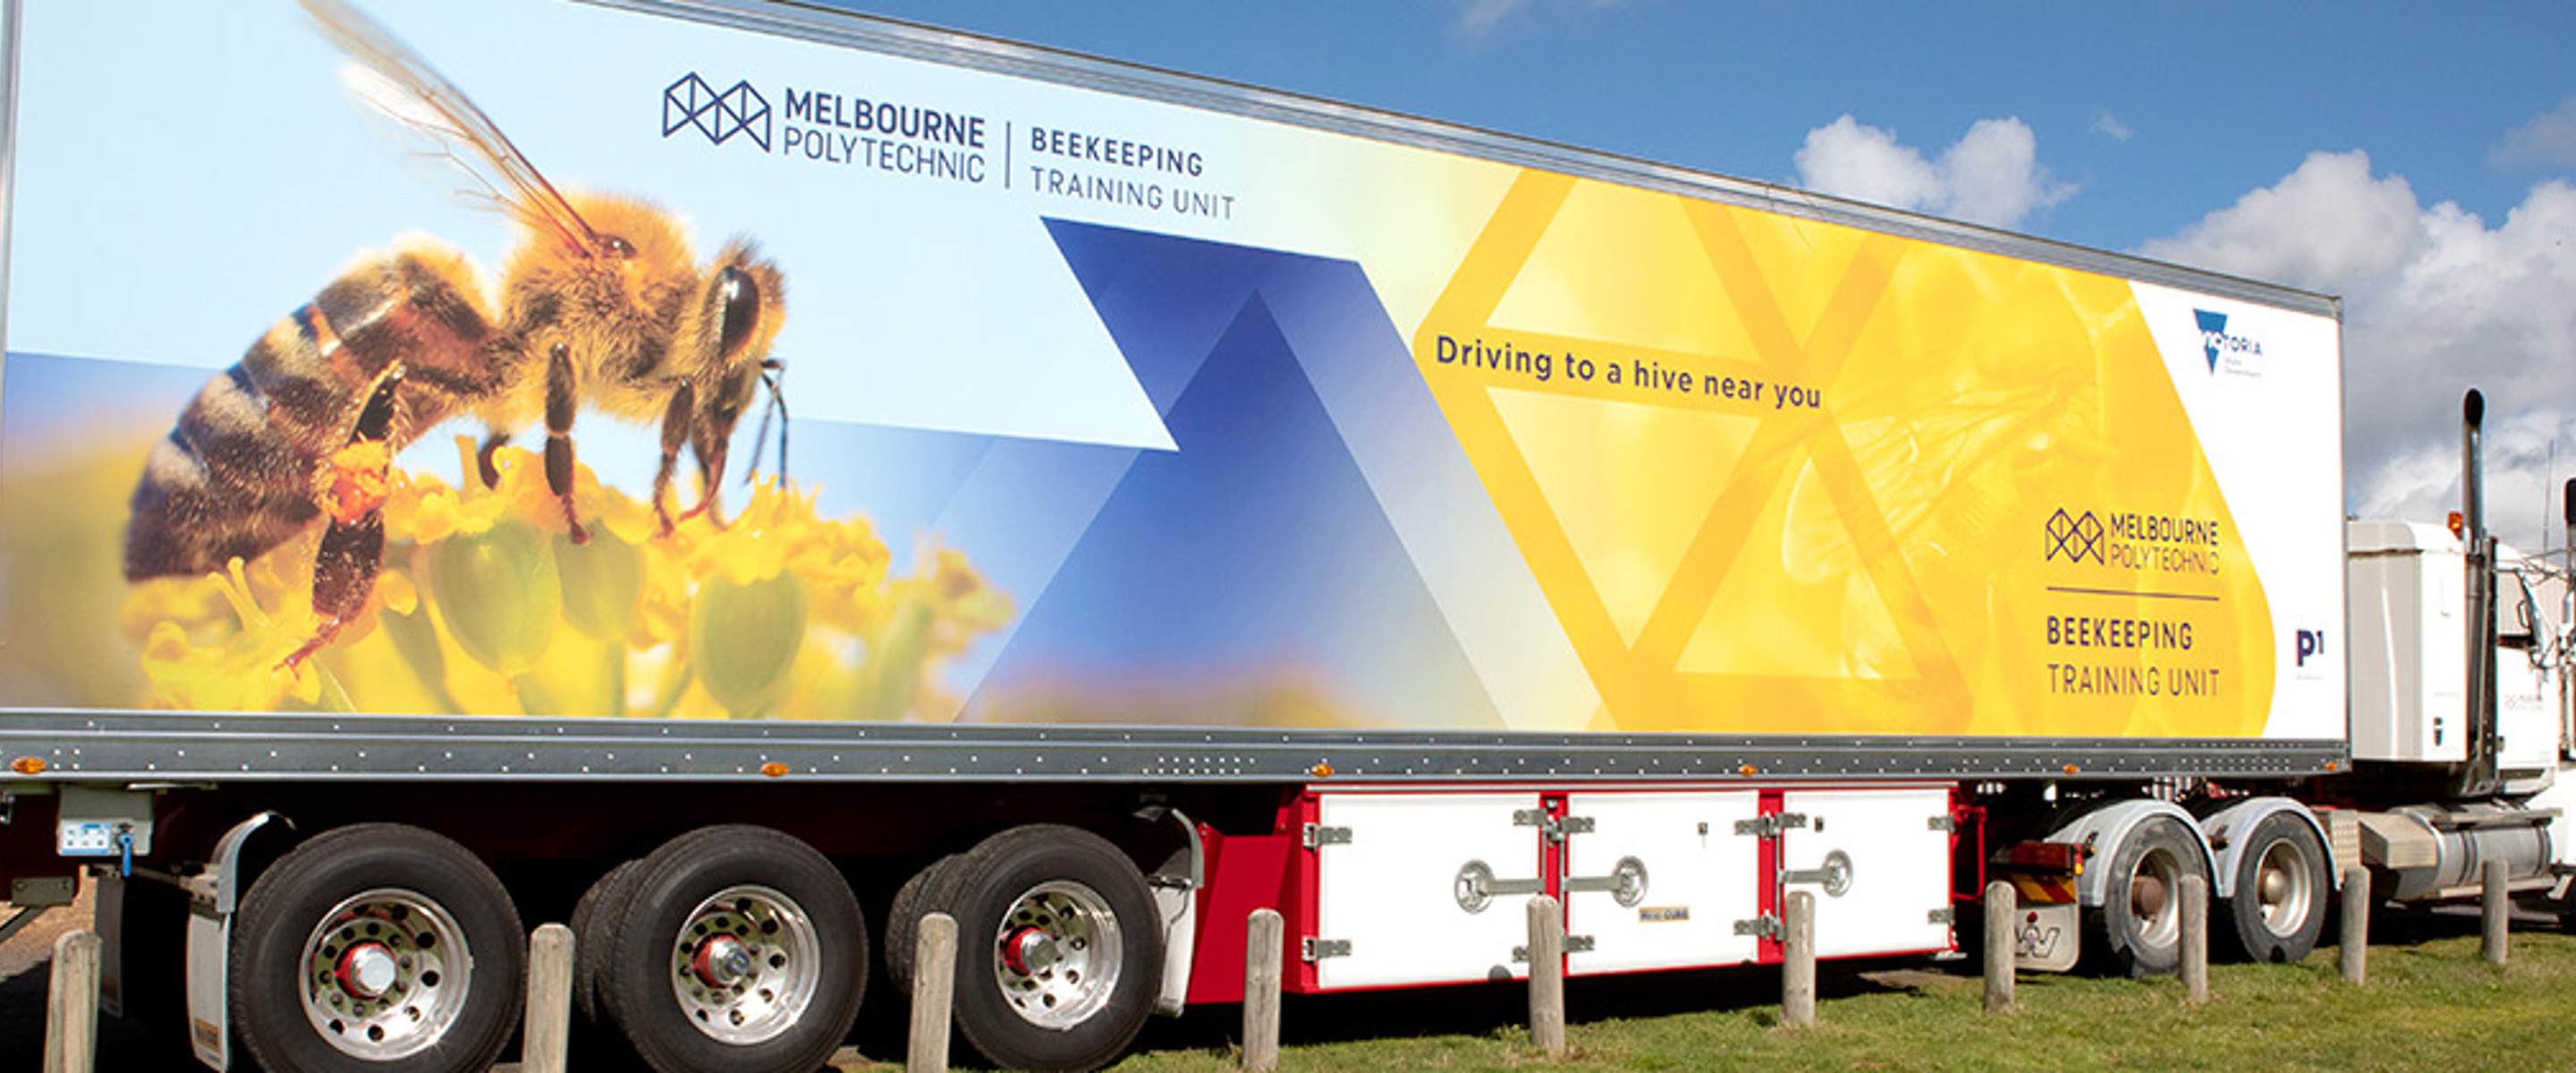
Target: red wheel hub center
[(721, 961), (1028, 951)]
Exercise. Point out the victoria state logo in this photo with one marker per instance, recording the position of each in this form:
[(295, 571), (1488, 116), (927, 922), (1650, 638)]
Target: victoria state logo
[(2215, 341), (691, 102), (2074, 538)]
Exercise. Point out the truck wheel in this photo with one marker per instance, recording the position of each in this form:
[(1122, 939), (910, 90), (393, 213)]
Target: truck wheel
[(924, 893), (376, 947), (2138, 928), (593, 932), (2280, 905), (1059, 948), (738, 948)]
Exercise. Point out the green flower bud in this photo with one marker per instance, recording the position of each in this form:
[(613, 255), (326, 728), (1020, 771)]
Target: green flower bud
[(895, 659), (744, 639), (416, 638), (499, 593), (600, 583)]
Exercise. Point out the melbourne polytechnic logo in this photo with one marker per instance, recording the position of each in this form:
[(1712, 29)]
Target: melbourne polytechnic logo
[(2215, 341), (2074, 538), (691, 102)]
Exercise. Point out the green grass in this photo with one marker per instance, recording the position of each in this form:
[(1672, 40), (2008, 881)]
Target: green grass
[(2431, 1004)]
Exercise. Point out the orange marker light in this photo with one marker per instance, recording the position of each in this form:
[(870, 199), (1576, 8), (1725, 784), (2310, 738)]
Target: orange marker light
[(29, 765), (1321, 771), (773, 769), (1748, 771)]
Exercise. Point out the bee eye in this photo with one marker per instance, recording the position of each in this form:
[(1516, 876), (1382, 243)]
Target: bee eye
[(741, 297), (616, 247)]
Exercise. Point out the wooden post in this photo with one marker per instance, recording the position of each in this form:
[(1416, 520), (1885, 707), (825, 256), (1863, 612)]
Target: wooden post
[(543, 1038), (2355, 954), (2494, 910), (2003, 919), (71, 1005), (2195, 938), (934, 983), (1261, 953), (1547, 975), (1798, 964)]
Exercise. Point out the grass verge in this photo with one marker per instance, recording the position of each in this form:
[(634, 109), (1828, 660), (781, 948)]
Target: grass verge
[(2431, 1004)]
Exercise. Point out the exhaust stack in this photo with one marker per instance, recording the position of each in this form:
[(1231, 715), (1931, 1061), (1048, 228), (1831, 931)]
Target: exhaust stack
[(2478, 777)]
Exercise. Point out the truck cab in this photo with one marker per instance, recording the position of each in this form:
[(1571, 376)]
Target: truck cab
[(2406, 584)]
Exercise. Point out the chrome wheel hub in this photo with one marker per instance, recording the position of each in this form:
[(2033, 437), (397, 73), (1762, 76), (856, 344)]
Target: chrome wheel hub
[(745, 964), (1059, 953), (384, 974), (2282, 889)]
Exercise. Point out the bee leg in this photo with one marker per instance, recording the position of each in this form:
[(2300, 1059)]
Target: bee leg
[(492, 441), (344, 575), (561, 404), (675, 435), (711, 467), (353, 548)]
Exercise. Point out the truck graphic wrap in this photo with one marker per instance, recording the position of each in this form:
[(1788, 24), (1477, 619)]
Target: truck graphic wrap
[(1098, 409), (1763, 466)]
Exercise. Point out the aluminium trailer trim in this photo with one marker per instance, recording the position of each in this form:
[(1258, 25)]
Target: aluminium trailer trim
[(182, 747)]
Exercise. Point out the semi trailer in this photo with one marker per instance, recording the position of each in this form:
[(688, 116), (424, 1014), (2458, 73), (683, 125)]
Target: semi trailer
[(1203, 499)]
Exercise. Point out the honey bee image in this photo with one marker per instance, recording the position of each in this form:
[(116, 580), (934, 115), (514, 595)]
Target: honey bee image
[(600, 305)]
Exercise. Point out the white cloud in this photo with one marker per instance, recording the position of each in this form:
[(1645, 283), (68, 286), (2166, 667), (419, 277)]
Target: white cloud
[(1990, 176), (2550, 138), (2435, 302), (2529, 457), (2325, 227), (1847, 159), (2109, 126), (1480, 18)]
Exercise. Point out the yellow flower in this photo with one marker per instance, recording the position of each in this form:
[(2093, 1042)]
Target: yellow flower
[(237, 669), (778, 614)]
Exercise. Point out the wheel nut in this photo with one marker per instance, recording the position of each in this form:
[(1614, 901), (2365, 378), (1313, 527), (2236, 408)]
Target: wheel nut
[(366, 970)]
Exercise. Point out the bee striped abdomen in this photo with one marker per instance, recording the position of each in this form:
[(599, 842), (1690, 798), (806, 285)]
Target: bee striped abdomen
[(239, 473)]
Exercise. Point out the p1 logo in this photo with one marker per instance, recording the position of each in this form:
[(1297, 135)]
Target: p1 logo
[(2309, 643)]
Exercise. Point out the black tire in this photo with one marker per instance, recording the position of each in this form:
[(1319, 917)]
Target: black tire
[(926, 892), (779, 949), (1043, 912), (594, 933), (430, 963), (2138, 928), (2281, 893)]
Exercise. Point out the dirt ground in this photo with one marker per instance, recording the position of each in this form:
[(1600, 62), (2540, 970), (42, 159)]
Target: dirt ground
[(26, 967), (35, 946)]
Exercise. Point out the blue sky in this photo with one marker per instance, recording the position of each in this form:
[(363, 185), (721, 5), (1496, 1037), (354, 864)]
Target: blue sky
[(2414, 159)]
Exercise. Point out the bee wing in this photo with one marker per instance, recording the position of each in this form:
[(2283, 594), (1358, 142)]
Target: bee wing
[(398, 82)]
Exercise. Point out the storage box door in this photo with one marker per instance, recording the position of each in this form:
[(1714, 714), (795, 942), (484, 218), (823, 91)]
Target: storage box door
[(1660, 880), (1878, 862), (1392, 890)]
